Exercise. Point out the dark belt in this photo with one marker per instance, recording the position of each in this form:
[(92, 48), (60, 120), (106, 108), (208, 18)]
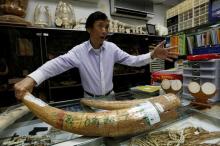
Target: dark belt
[(93, 95)]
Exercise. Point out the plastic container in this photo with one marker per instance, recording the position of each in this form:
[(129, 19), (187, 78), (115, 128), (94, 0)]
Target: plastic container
[(14, 7), (201, 79), (201, 72), (205, 64)]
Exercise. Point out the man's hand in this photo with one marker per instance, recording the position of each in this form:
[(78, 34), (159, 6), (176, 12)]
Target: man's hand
[(26, 85), (164, 53)]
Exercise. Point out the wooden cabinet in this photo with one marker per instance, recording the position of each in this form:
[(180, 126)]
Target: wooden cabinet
[(24, 49), (22, 53), (56, 42)]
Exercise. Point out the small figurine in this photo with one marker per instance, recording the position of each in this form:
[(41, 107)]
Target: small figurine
[(64, 15), (42, 17)]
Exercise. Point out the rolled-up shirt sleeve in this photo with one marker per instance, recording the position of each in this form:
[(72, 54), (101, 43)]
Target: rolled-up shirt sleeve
[(55, 66), (124, 58)]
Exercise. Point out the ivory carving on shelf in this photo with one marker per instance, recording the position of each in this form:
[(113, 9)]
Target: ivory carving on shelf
[(162, 30), (80, 24), (64, 15), (117, 26), (14, 7), (9, 117), (42, 17)]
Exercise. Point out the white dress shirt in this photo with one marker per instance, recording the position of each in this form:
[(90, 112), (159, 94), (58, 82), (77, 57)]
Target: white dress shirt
[(95, 66)]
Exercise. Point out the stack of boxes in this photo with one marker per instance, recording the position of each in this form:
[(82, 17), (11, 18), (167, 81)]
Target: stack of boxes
[(200, 12), (187, 14)]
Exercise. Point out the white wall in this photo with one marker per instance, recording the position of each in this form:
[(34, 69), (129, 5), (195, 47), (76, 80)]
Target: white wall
[(83, 9), (160, 15)]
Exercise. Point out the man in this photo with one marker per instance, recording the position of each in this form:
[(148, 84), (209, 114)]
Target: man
[(95, 60)]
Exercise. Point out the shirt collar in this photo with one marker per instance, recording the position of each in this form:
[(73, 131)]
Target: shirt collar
[(90, 46)]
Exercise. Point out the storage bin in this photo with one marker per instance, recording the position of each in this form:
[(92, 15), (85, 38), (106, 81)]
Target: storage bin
[(211, 72), (201, 79), (206, 64)]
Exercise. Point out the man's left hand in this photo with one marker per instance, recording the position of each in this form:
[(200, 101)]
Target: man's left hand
[(164, 53)]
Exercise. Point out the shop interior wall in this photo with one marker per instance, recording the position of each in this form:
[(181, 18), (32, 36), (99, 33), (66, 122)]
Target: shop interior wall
[(83, 9)]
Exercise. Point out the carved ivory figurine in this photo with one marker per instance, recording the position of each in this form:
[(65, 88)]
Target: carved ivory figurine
[(64, 15), (42, 17)]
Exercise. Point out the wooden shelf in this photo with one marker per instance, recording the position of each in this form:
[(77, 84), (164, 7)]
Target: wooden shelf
[(40, 28), (133, 34), (110, 34)]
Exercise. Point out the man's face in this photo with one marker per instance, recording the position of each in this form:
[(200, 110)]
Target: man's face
[(99, 30)]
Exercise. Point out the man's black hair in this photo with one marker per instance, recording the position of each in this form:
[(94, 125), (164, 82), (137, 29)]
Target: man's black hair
[(94, 17)]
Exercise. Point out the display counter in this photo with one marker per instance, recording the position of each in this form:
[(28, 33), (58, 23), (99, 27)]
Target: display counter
[(30, 130)]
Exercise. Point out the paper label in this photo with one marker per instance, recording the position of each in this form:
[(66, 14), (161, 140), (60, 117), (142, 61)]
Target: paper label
[(146, 111), (35, 100), (159, 107)]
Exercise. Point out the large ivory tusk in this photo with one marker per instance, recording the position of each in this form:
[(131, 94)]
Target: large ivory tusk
[(8, 118), (109, 124), (167, 102)]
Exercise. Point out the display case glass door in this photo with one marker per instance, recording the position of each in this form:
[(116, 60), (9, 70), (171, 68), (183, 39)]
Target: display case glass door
[(58, 43)]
